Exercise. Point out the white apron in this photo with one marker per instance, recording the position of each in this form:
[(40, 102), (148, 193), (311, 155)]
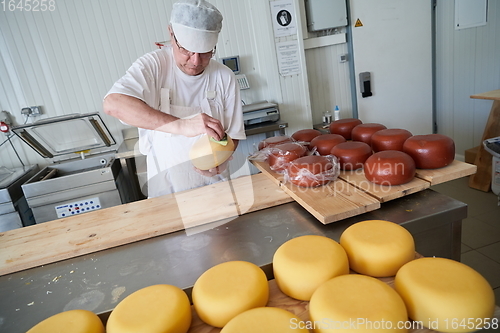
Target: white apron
[(169, 168)]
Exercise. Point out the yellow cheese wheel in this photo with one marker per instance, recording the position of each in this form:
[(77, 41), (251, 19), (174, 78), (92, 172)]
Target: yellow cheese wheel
[(302, 264), (357, 303), (228, 289), (377, 248), (265, 320), (206, 153), (72, 321), (159, 308), (445, 295)]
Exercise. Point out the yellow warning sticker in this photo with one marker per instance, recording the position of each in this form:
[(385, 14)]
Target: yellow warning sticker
[(358, 23)]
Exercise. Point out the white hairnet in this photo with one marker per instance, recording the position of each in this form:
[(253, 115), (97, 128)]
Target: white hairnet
[(196, 25)]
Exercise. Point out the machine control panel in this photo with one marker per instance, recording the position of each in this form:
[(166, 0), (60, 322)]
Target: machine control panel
[(78, 207)]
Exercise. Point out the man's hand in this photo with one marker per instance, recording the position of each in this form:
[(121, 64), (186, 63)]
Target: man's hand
[(201, 124), (214, 171)]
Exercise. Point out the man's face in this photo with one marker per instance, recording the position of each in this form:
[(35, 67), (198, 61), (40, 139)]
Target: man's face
[(189, 62)]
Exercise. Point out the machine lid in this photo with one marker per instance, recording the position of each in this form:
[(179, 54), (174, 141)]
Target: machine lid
[(259, 106), (67, 134)]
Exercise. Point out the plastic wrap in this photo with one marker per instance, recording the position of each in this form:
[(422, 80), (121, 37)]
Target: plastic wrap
[(280, 156), (274, 140), (312, 171)]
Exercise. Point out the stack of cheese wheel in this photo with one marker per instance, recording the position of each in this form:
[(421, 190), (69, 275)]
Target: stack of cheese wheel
[(159, 308), (72, 321), (325, 142), (302, 264), (352, 154), (273, 141), (281, 155), (377, 248), (344, 127), (446, 295), (364, 132), (357, 303), (265, 320), (389, 139), (228, 289), (390, 167)]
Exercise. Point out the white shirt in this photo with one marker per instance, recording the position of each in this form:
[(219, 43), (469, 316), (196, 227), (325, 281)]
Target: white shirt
[(155, 79)]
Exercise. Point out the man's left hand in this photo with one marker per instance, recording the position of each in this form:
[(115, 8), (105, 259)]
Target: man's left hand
[(214, 171)]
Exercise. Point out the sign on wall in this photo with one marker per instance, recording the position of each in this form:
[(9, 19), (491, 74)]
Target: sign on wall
[(284, 18)]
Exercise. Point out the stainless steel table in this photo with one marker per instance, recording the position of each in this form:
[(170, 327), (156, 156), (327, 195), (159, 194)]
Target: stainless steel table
[(98, 281)]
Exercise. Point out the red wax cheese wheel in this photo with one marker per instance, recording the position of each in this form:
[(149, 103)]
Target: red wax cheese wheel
[(430, 151), (344, 127), (389, 167), (274, 140), (364, 132), (389, 139), (352, 155), (283, 154), (325, 142), (305, 135), (311, 171)]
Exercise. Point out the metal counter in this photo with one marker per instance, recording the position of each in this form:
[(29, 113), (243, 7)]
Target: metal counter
[(98, 281)]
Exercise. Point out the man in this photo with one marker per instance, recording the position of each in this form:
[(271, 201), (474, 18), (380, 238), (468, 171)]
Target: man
[(177, 93)]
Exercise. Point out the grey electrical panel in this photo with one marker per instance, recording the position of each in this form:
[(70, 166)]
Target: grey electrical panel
[(325, 14)]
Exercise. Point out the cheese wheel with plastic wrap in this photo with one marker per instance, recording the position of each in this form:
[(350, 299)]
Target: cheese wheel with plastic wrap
[(446, 295), (302, 264), (377, 248), (228, 289), (160, 308), (72, 321), (357, 303)]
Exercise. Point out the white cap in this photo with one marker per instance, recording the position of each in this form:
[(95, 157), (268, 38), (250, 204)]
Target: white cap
[(196, 25)]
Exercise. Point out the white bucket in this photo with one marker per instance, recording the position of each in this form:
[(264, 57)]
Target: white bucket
[(493, 147)]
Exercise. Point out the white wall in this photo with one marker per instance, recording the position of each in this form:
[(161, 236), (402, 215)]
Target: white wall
[(467, 63), (66, 60)]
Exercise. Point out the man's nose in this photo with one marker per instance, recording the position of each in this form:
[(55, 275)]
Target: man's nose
[(196, 59)]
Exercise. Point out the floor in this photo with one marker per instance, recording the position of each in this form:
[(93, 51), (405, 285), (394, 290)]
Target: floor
[(480, 230)]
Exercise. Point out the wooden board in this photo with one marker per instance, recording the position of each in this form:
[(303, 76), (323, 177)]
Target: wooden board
[(455, 170), (383, 193), (352, 194), (299, 308), (330, 203), (102, 229), (481, 180)]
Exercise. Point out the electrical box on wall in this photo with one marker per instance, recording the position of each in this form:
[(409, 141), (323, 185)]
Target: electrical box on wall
[(326, 14)]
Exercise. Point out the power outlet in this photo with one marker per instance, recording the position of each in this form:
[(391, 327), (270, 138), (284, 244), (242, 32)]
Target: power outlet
[(31, 111)]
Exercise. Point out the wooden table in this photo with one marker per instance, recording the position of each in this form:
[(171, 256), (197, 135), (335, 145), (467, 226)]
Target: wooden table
[(482, 179)]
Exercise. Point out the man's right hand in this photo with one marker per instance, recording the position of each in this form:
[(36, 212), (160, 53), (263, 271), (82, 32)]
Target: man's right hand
[(201, 124)]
